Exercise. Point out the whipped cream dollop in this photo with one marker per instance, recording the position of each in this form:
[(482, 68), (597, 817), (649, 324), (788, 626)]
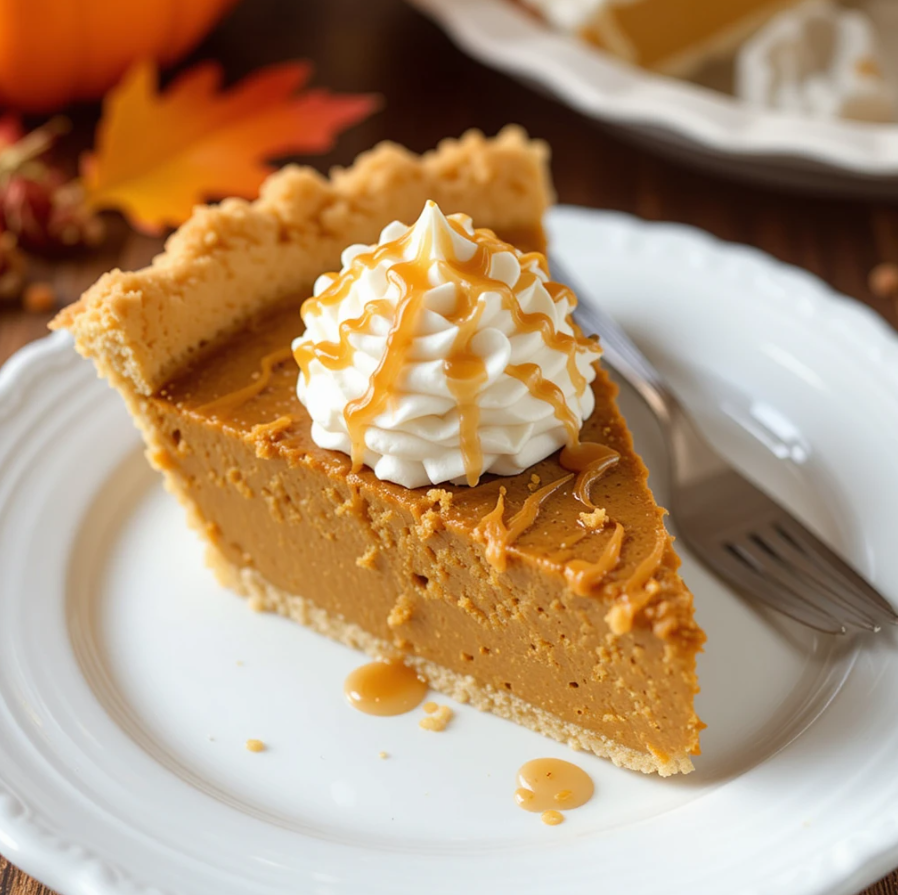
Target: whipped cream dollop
[(443, 353)]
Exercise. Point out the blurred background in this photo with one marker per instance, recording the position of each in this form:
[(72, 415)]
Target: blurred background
[(428, 89)]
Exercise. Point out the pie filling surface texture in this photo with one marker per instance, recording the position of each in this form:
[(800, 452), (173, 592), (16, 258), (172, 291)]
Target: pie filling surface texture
[(550, 597)]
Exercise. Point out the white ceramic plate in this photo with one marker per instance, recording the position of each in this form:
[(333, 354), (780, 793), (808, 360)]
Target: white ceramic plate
[(124, 709), (707, 128)]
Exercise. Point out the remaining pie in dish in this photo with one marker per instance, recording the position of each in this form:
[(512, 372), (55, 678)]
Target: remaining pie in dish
[(672, 36), (546, 593)]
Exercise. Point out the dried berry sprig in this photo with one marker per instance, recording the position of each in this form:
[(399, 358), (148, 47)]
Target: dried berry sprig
[(39, 205)]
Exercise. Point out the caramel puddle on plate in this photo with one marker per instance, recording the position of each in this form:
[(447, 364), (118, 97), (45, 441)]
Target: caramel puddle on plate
[(549, 784), (385, 688)]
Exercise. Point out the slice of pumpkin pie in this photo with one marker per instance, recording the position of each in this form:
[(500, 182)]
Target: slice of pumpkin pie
[(382, 418)]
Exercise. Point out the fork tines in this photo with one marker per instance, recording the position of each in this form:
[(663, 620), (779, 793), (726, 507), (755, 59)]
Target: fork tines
[(812, 580)]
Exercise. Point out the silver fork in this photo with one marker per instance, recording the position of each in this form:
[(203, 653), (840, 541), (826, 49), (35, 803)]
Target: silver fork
[(733, 527)]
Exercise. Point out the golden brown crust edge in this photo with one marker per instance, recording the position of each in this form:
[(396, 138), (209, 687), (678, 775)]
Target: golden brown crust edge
[(230, 261)]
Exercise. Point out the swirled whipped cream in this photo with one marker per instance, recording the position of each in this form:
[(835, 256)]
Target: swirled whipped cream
[(443, 353)]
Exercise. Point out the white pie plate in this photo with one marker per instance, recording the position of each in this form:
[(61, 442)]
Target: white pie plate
[(124, 705), (685, 120)]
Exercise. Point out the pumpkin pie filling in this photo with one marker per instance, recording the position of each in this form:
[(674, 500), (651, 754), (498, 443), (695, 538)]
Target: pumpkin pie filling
[(550, 597)]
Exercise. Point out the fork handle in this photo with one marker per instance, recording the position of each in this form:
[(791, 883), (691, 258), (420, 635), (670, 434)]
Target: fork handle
[(688, 450), (620, 352), (632, 364)]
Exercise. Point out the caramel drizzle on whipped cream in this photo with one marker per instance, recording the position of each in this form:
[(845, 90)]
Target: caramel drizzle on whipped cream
[(546, 390), (465, 370)]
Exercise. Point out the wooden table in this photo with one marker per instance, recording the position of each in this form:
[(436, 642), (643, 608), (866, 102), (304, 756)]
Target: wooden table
[(432, 91)]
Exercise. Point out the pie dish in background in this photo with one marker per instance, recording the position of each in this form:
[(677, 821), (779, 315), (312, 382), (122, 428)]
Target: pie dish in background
[(819, 59), (682, 119)]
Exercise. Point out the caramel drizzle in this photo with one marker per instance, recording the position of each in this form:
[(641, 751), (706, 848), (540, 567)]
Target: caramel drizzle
[(342, 284), (565, 551), (493, 533), (231, 401), (573, 539), (591, 461), (546, 390), (636, 596), (558, 291), (360, 412), (465, 370), (532, 321), (582, 577), (526, 515), (500, 537), (338, 355), (465, 375), (592, 473)]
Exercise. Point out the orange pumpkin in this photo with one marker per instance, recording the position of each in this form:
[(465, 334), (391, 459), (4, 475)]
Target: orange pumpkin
[(53, 52)]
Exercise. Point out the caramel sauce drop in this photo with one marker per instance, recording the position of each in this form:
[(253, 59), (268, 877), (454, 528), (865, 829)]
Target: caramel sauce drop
[(385, 688), (551, 785), (465, 370)]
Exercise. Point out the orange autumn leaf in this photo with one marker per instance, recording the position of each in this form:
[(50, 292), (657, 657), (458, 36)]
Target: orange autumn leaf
[(160, 153)]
